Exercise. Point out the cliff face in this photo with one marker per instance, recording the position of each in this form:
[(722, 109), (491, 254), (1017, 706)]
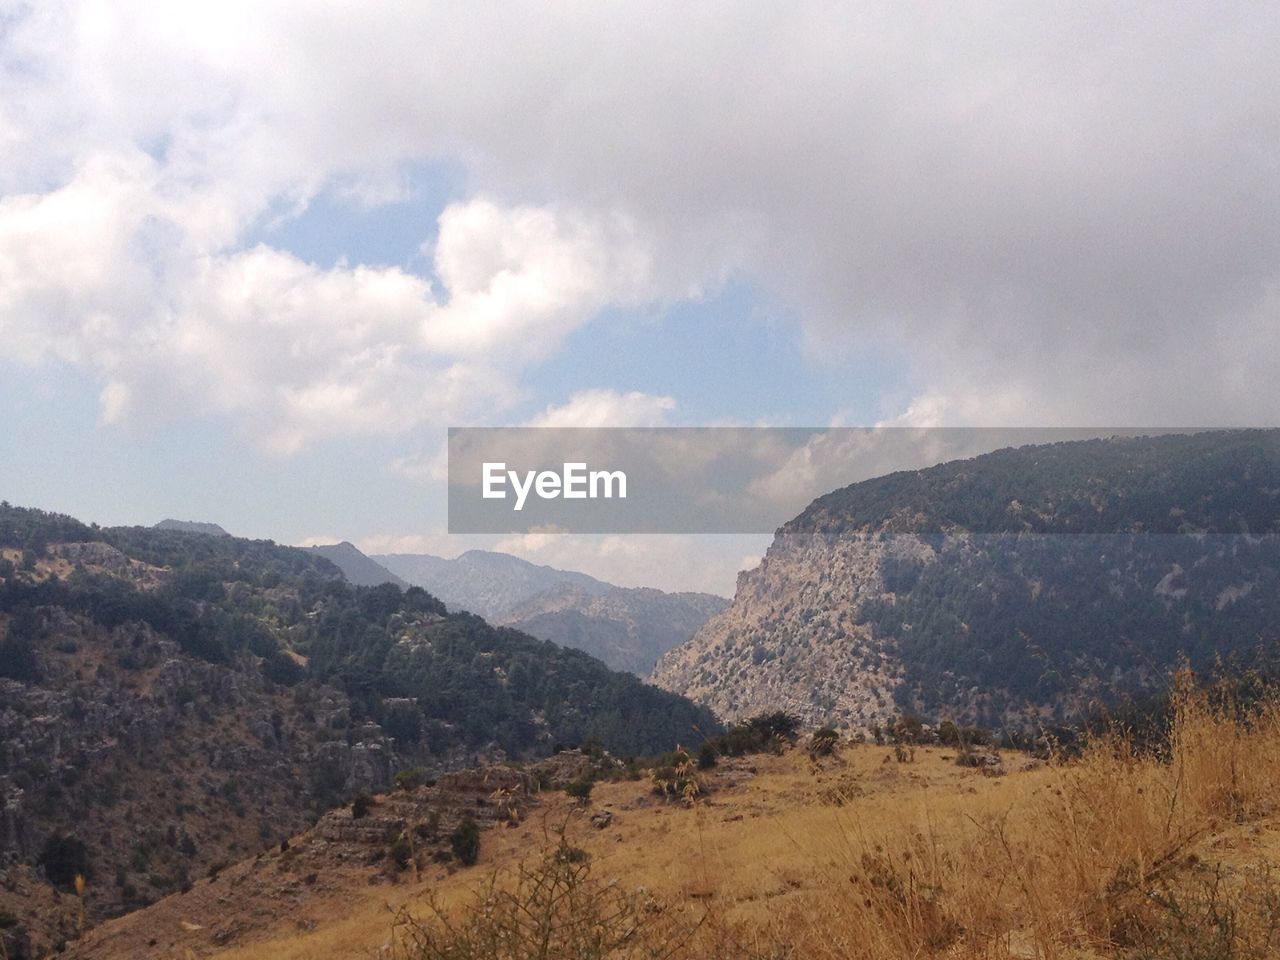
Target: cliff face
[(791, 639), (1019, 587)]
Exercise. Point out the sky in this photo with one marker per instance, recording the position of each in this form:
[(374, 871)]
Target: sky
[(256, 258)]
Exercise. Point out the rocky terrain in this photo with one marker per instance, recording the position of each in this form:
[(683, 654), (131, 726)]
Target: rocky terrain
[(1017, 588), (791, 640), (405, 836)]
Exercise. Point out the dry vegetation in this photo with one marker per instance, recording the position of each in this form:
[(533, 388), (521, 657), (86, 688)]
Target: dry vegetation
[(1116, 853)]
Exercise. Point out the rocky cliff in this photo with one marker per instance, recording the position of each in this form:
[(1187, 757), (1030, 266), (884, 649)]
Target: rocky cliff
[(1016, 588)]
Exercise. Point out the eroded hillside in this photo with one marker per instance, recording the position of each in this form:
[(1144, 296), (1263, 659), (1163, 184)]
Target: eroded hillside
[(1021, 587)]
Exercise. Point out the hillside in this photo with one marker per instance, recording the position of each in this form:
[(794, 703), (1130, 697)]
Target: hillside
[(1019, 587), (484, 582), (355, 566), (170, 700), (627, 628), (868, 853)]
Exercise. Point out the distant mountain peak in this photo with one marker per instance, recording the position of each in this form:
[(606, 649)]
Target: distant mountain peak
[(192, 526), (356, 566)]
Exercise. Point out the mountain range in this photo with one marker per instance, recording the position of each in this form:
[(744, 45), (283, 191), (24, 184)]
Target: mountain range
[(626, 627), (171, 699), (1023, 587), (484, 582)]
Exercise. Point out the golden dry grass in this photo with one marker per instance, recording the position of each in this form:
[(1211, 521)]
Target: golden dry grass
[(1113, 854)]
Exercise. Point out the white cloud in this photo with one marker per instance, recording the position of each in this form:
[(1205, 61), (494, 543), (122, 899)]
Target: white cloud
[(607, 408), (519, 279), (108, 272), (1056, 213)]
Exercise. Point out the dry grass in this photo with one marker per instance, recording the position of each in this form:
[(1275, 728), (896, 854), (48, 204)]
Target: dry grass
[(1114, 854)]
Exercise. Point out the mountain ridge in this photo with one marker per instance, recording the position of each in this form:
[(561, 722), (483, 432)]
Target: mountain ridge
[(626, 627), (484, 582), (1024, 586), (356, 566), (169, 699)]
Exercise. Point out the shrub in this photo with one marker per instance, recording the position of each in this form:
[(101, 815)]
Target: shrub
[(580, 788), (465, 842), (408, 780), (948, 734), (63, 859), (429, 829), (550, 909), (401, 851), (361, 806), (678, 780), (823, 743), (907, 729), (706, 755)]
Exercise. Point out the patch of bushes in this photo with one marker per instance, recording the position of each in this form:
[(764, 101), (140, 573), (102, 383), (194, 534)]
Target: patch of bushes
[(465, 842), (823, 743), (707, 756), (678, 780), (767, 732), (401, 852), (550, 909), (408, 780), (63, 859), (580, 787), (361, 806)]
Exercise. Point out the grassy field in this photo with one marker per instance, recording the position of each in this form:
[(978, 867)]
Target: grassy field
[(1113, 854)]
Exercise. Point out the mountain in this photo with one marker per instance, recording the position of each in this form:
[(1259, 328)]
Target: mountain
[(170, 700), (484, 582), (355, 566), (192, 526), (627, 628), (1019, 587)]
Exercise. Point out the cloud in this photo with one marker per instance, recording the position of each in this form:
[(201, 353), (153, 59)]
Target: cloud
[(109, 273), (607, 408), (1058, 215), (520, 279)]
